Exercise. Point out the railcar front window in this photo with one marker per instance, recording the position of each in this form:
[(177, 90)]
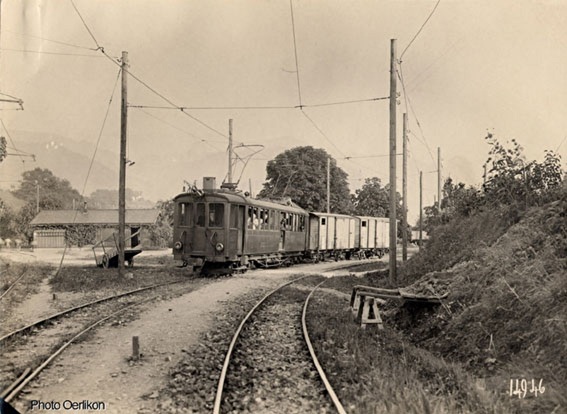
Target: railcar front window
[(186, 214), (201, 214), (216, 215)]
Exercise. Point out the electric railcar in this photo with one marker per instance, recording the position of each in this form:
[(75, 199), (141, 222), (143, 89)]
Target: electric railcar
[(221, 231)]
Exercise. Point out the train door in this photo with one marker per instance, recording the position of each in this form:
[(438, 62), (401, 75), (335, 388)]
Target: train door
[(364, 234), (199, 236), (372, 223), (283, 227), (236, 237), (323, 233)]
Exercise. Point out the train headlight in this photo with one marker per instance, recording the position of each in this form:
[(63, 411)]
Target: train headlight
[(219, 247), (178, 245)]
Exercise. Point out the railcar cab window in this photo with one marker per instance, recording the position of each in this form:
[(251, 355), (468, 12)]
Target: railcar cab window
[(216, 215), (186, 214), (200, 214)]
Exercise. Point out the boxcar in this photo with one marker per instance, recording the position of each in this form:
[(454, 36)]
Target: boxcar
[(333, 235), (374, 235)]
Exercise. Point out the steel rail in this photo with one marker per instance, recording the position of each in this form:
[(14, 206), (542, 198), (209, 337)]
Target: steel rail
[(27, 379), (13, 284), (220, 386), (318, 366), (62, 313)]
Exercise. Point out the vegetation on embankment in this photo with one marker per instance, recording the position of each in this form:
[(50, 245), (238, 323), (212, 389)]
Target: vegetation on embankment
[(504, 318)]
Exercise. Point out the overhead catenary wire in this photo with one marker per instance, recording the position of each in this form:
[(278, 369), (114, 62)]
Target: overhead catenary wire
[(295, 52), (50, 40), (420, 29), (41, 52), (92, 160), (116, 62), (257, 106)]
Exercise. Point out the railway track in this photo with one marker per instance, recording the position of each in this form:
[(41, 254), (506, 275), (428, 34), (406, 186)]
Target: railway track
[(80, 329), (270, 362)]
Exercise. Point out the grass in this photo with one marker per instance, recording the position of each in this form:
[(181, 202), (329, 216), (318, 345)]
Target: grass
[(381, 372), (504, 319), (92, 279)]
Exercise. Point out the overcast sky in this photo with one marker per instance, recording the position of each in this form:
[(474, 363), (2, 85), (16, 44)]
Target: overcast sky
[(477, 65)]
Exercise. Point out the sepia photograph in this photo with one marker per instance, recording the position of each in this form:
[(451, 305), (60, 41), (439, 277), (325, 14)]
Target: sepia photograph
[(284, 206)]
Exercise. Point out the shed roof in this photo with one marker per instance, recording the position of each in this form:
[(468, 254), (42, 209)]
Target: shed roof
[(100, 217)]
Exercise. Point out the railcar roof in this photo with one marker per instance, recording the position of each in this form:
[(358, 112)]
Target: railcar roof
[(322, 214), (371, 217), (241, 199)]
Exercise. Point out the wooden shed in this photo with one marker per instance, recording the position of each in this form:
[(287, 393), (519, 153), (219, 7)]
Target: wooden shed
[(51, 227)]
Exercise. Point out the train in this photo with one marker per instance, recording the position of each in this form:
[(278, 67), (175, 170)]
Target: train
[(221, 231)]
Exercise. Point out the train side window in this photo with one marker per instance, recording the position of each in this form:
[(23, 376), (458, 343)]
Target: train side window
[(200, 215), (235, 216), (250, 217), (301, 223), (216, 215), (363, 223), (294, 222), (263, 219), (323, 221), (273, 220), (282, 220)]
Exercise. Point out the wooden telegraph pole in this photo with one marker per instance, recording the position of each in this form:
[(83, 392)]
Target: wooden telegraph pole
[(122, 183), (439, 179), (420, 208), (328, 184), (393, 103), (405, 191), (230, 151)]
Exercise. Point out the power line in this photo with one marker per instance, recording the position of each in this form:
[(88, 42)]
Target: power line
[(86, 27), (408, 102), (256, 107), (420, 29), (295, 51), (50, 40), (205, 141), (100, 132), (321, 132), (50, 53)]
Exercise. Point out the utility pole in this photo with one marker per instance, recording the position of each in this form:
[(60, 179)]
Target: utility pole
[(393, 103), (122, 183), (328, 184), (37, 198), (405, 191), (230, 151), (420, 208), (439, 178)]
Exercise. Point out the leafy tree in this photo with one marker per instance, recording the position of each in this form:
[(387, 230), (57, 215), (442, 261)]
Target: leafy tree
[(513, 180), (374, 200), (161, 233), (459, 200), (54, 193), (301, 174)]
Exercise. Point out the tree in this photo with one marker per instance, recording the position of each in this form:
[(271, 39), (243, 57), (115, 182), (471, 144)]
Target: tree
[(54, 193), (512, 180), (161, 233), (374, 200), (301, 174)]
